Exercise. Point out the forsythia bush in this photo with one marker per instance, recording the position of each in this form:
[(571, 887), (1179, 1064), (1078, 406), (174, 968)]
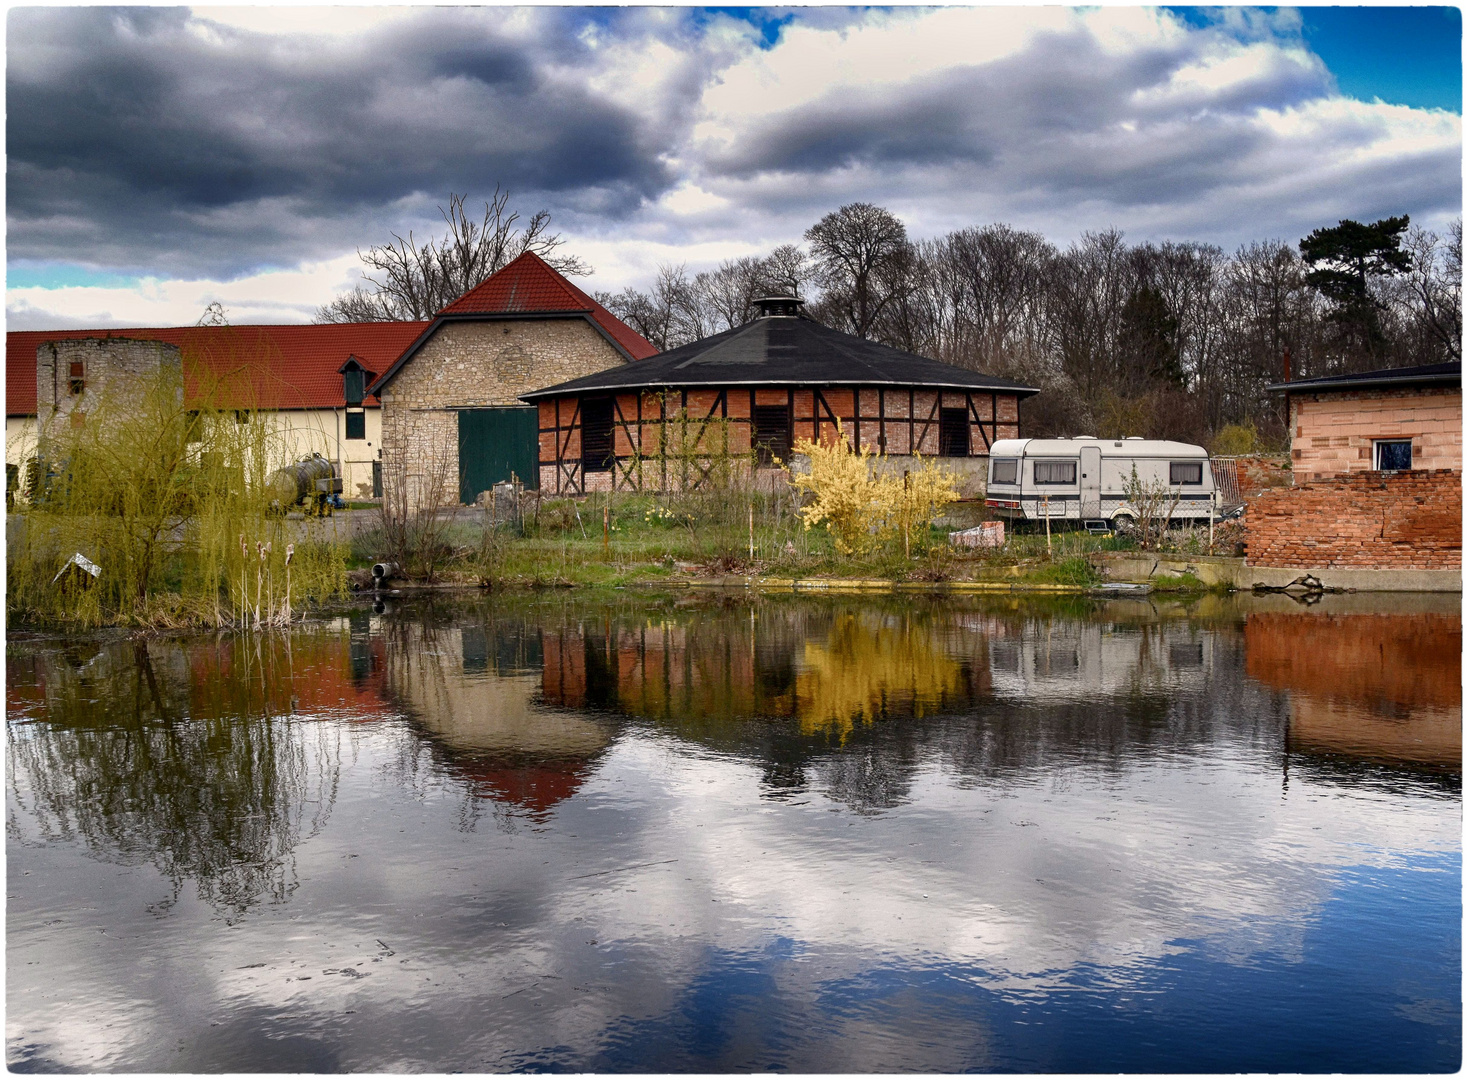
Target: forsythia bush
[(860, 508)]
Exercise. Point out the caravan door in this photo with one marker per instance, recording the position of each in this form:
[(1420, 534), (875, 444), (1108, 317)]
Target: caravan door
[(1090, 483)]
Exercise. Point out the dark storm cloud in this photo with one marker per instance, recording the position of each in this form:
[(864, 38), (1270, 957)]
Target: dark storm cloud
[(1047, 118), (142, 138)]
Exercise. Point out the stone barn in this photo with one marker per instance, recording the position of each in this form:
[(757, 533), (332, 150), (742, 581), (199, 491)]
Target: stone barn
[(752, 393), (453, 423)]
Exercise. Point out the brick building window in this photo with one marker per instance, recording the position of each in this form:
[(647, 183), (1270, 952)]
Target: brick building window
[(771, 433), (596, 434), (78, 381), (953, 433), (356, 424), (1393, 455)]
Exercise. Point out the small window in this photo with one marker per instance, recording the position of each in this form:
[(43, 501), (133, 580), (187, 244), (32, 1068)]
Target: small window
[(356, 424), (1004, 471), (771, 433), (596, 435), (953, 433), (1394, 455), (1055, 472), (354, 387), (1186, 472), (78, 381)]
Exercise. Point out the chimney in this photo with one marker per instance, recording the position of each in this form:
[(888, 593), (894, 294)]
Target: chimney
[(1287, 363)]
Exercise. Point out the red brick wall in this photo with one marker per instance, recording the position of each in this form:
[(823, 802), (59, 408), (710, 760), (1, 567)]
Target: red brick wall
[(1366, 520)]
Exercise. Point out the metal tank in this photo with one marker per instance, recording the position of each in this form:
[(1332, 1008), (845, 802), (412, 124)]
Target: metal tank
[(312, 481)]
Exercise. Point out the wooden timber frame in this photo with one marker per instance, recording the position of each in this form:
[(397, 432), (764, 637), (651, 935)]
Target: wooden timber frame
[(886, 419)]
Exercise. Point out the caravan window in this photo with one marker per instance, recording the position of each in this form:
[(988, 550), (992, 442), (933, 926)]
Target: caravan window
[(1186, 472), (1004, 471), (1055, 472)]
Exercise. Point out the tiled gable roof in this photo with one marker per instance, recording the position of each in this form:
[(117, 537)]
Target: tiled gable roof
[(270, 367), (529, 285)]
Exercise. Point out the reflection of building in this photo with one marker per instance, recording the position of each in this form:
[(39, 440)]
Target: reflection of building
[(1382, 687), (830, 671), (472, 690)]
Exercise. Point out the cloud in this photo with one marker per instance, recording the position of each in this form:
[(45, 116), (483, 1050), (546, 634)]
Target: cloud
[(134, 135), (221, 144)]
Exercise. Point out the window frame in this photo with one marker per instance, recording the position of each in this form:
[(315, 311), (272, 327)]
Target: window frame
[(1073, 463), (1172, 468), (608, 461), (359, 415), (1377, 445), (953, 426), (994, 466), (771, 441)]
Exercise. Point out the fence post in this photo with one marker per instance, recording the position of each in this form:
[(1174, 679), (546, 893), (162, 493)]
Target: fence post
[(1049, 553)]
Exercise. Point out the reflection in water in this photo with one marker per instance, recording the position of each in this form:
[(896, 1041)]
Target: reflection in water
[(470, 690), (1383, 687), (806, 834), (182, 763)]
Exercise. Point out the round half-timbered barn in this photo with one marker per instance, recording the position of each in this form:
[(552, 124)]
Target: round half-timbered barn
[(750, 394)]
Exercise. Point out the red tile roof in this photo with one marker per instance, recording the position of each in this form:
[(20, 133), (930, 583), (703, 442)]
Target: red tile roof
[(272, 367), (528, 284)]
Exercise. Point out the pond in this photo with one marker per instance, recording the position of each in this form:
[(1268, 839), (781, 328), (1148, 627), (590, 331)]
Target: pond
[(645, 833)]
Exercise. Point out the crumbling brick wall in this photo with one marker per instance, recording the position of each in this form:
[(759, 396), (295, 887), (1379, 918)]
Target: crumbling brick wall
[(1364, 520)]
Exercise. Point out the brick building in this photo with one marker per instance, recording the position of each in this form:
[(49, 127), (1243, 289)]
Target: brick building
[(752, 393), (453, 423), (1378, 466), (1394, 419)]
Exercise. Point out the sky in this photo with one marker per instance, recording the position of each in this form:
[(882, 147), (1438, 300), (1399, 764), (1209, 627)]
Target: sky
[(161, 159)]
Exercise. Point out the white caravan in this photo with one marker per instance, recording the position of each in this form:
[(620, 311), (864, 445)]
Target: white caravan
[(1088, 480)]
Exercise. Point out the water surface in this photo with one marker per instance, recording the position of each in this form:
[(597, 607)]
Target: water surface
[(650, 835)]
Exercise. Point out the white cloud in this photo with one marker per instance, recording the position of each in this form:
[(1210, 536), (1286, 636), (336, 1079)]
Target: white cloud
[(273, 296)]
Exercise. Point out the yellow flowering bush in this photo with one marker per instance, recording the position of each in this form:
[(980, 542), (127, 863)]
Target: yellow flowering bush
[(860, 508)]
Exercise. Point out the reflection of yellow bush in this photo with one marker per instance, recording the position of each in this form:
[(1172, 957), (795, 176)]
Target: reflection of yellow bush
[(860, 508), (871, 667)]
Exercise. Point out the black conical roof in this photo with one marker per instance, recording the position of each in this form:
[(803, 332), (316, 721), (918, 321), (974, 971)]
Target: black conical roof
[(784, 351)]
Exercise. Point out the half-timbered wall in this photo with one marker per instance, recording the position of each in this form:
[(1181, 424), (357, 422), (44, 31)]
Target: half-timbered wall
[(707, 423)]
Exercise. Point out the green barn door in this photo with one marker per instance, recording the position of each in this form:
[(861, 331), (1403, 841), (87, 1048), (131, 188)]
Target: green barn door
[(493, 443)]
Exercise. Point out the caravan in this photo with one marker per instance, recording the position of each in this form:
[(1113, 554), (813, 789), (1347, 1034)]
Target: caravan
[(1092, 480)]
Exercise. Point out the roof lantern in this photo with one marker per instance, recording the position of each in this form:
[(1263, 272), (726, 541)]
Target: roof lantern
[(778, 306)]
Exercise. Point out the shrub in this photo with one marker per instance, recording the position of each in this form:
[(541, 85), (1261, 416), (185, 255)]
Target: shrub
[(859, 508)]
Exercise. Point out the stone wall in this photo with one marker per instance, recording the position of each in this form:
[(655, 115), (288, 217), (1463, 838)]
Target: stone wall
[(468, 365), (1367, 520), (1333, 433), (74, 377)]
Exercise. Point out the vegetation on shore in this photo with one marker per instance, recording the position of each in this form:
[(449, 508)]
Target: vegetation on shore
[(169, 500)]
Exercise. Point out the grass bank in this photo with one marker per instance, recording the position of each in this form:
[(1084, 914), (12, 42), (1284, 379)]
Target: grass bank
[(620, 540)]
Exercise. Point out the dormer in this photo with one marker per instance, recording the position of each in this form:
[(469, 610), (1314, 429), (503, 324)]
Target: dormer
[(355, 379)]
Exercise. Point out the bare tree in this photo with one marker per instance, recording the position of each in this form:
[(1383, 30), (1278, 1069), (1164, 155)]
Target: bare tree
[(415, 282), (863, 263)]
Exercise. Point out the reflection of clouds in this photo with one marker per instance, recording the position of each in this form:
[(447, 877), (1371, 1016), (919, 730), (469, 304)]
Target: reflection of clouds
[(1096, 834)]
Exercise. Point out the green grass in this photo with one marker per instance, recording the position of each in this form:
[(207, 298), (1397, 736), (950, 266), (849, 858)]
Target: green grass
[(652, 540)]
